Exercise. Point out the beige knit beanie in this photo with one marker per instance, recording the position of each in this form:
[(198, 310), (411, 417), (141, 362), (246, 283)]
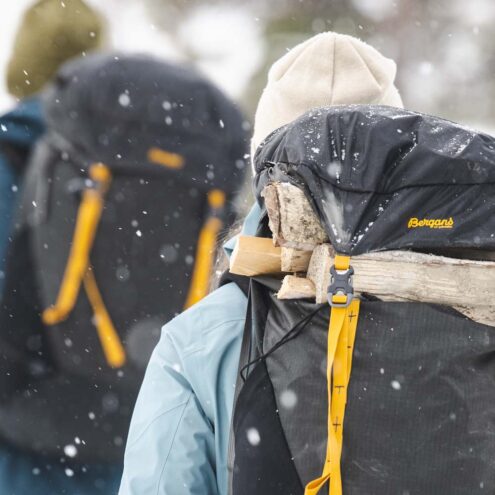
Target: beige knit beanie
[(328, 69)]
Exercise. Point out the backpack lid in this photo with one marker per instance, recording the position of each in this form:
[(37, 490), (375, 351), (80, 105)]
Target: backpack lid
[(385, 178), (135, 110)]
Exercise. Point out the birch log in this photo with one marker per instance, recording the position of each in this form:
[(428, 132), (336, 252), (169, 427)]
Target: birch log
[(468, 286), (294, 260), (291, 217), (302, 288), (296, 288), (255, 256), (411, 277)]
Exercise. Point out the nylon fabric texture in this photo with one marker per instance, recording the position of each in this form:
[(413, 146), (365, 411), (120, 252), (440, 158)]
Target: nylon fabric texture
[(341, 337), (382, 178), (420, 405)]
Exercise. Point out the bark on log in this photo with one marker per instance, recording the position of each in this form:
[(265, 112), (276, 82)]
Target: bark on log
[(485, 315), (301, 288), (412, 277), (291, 218), (294, 260), (468, 286)]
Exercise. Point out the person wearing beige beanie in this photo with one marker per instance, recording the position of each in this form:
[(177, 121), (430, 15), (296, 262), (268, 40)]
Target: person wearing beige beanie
[(328, 69), (179, 436)]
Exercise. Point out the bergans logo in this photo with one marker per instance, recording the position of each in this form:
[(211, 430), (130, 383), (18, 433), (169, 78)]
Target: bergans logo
[(432, 223)]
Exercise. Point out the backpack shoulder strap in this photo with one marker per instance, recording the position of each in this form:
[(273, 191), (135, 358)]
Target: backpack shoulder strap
[(240, 280), (206, 247), (243, 283)]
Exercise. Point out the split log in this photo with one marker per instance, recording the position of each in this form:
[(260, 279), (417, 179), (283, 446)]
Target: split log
[(468, 286), (255, 256), (296, 288), (411, 277), (258, 256), (291, 217), (294, 260), (399, 274), (302, 288)]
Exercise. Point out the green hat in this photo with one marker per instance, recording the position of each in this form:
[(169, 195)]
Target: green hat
[(51, 32)]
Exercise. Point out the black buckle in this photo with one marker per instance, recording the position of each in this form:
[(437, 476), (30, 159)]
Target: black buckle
[(340, 285)]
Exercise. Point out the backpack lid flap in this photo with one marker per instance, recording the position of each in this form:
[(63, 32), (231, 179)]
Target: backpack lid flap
[(385, 178)]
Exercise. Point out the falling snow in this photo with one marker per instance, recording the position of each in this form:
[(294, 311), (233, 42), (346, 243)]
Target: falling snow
[(253, 437), (124, 100)]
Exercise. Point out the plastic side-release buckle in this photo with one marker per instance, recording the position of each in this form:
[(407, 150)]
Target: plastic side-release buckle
[(340, 290)]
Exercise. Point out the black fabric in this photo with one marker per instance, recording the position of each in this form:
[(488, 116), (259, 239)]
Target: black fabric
[(257, 430), (368, 170), (240, 280), (421, 410), (23, 352), (58, 384), (299, 381), (420, 416), (115, 108)]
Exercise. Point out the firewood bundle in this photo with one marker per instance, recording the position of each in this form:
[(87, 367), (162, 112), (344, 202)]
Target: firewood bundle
[(300, 253)]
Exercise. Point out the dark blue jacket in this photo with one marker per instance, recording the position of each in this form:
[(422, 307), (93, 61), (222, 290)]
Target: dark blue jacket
[(19, 131)]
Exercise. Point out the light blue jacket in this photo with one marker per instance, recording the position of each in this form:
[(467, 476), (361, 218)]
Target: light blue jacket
[(179, 434)]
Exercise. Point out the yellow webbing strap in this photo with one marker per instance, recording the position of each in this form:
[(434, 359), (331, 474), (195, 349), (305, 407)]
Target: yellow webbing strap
[(87, 221), (341, 337), (78, 270), (165, 158), (205, 251), (109, 338)]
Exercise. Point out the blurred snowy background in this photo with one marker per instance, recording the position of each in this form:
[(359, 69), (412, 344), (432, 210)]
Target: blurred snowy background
[(444, 49)]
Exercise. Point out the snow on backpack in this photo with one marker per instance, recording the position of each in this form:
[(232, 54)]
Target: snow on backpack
[(123, 204), (360, 395)]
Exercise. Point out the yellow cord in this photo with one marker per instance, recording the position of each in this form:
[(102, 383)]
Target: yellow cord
[(205, 251), (88, 218), (78, 270), (109, 338)]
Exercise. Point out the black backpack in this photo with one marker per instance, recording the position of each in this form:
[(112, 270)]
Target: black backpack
[(409, 408), (122, 207)]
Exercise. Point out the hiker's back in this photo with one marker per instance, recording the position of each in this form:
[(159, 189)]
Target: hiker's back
[(376, 395), (122, 206)]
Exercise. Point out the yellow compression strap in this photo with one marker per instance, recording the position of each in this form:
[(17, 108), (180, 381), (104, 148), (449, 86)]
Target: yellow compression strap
[(341, 337), (78, 270), (109, 338), (87, 221), (206, 249)]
